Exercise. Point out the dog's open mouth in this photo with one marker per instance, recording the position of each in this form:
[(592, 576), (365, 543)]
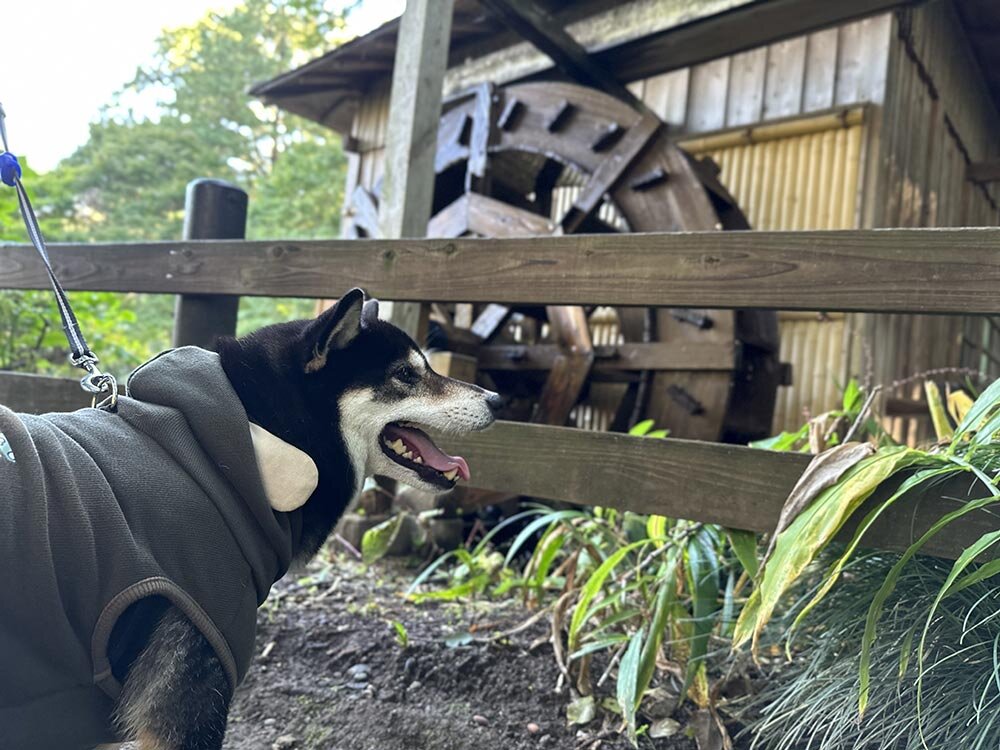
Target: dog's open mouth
[(411, 448)]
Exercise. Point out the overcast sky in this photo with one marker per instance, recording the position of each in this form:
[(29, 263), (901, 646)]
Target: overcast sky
[(60, 60)]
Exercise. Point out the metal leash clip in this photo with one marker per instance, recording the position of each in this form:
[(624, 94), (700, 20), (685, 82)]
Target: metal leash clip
[(97, 382)]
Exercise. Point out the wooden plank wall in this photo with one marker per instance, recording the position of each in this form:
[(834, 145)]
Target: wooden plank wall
[(937, 116), (810, 73), (829, 68)]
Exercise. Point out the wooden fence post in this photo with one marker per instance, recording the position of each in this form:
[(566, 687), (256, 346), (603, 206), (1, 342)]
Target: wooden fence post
[(213, 210), (411, 145)]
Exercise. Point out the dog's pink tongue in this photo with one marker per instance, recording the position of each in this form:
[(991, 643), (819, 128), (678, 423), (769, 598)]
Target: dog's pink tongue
[(432, 455)]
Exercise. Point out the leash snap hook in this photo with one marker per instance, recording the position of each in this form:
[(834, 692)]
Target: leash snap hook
[(97, 382)]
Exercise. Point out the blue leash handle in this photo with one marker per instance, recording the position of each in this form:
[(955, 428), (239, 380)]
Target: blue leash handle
[(95, 381)]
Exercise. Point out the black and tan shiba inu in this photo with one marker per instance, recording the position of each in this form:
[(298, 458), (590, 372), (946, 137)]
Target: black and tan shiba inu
[(137, 545)]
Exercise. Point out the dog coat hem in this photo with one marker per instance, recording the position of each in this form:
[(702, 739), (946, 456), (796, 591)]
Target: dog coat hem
[(154, 586)]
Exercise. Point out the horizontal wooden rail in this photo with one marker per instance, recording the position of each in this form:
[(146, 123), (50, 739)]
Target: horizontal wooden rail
[(726, 484), (888, 270), (34, 394), (664, 355), (730, 485)]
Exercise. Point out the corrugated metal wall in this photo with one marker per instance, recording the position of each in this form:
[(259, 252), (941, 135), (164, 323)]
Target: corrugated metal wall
[(937, 117), (797, 174), (803, 173)]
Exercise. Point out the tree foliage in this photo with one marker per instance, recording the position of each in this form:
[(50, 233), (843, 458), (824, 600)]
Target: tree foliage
[(184, 115)]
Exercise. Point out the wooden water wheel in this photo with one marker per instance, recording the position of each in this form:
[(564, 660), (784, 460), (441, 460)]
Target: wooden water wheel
[(555, 158)]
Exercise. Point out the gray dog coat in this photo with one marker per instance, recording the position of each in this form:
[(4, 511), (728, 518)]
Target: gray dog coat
[(99, 510)]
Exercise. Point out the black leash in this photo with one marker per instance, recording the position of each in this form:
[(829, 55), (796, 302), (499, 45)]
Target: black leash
[(95, 381)]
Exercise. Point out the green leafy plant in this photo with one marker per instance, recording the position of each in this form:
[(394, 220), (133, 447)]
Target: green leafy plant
[(968, 446), (644, 593), (402, 634), (811, 700)]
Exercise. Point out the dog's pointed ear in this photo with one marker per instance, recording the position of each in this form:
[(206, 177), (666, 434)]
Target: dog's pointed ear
[(369, 313), (334, 329)]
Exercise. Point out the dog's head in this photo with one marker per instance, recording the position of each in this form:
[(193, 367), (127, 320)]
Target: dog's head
[(386, 395)]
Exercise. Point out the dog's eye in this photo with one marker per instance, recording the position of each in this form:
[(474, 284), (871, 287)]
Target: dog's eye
[(406, 374)]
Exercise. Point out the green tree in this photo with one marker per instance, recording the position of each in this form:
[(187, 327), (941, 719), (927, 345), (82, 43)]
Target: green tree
[(127, 181), (302, 196)]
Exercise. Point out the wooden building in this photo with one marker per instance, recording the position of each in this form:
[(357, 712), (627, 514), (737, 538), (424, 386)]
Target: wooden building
[(855, 114)]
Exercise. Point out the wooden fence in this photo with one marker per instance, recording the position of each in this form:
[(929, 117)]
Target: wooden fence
[(945, 271)]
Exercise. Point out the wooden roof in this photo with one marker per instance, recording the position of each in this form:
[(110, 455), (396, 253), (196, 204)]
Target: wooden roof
[(328, 88), (634, 38)]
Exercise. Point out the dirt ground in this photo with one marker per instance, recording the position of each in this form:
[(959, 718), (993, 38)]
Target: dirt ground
[(331, 673)]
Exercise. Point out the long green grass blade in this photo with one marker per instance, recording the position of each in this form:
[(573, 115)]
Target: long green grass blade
[(665, 598), (744, 544), (988, 401), (703, 582), (811, 530), (969, 554), (546, 520), (606, 623), (593, 586), (987, 570), (889, 585), (627, 687), (833, 574), (550, 547), (599, 645), (939, 417), (987, 432)]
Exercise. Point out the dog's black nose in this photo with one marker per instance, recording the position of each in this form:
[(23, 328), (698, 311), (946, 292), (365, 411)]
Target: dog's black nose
[(494, 401)]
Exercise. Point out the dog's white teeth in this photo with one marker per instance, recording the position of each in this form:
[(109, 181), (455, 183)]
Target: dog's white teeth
[(450, 475), (398, 446), (408, 455), (418, 460)]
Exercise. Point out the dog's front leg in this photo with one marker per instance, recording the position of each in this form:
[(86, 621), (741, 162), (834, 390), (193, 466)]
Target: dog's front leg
[(176, 695)]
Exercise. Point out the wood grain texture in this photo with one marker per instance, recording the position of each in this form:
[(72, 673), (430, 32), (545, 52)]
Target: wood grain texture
[(570, 368), (893, 270), (726, 484), (746, 87), (661, 355), (411, 143)]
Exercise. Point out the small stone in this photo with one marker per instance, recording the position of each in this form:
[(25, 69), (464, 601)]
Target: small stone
[(369, 692), (284, 742), (481, 720), (358, 673), (545, 740), (533, 728), (664, 728), (268, 722), (414, 686), (409, 666), (357, 685)]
